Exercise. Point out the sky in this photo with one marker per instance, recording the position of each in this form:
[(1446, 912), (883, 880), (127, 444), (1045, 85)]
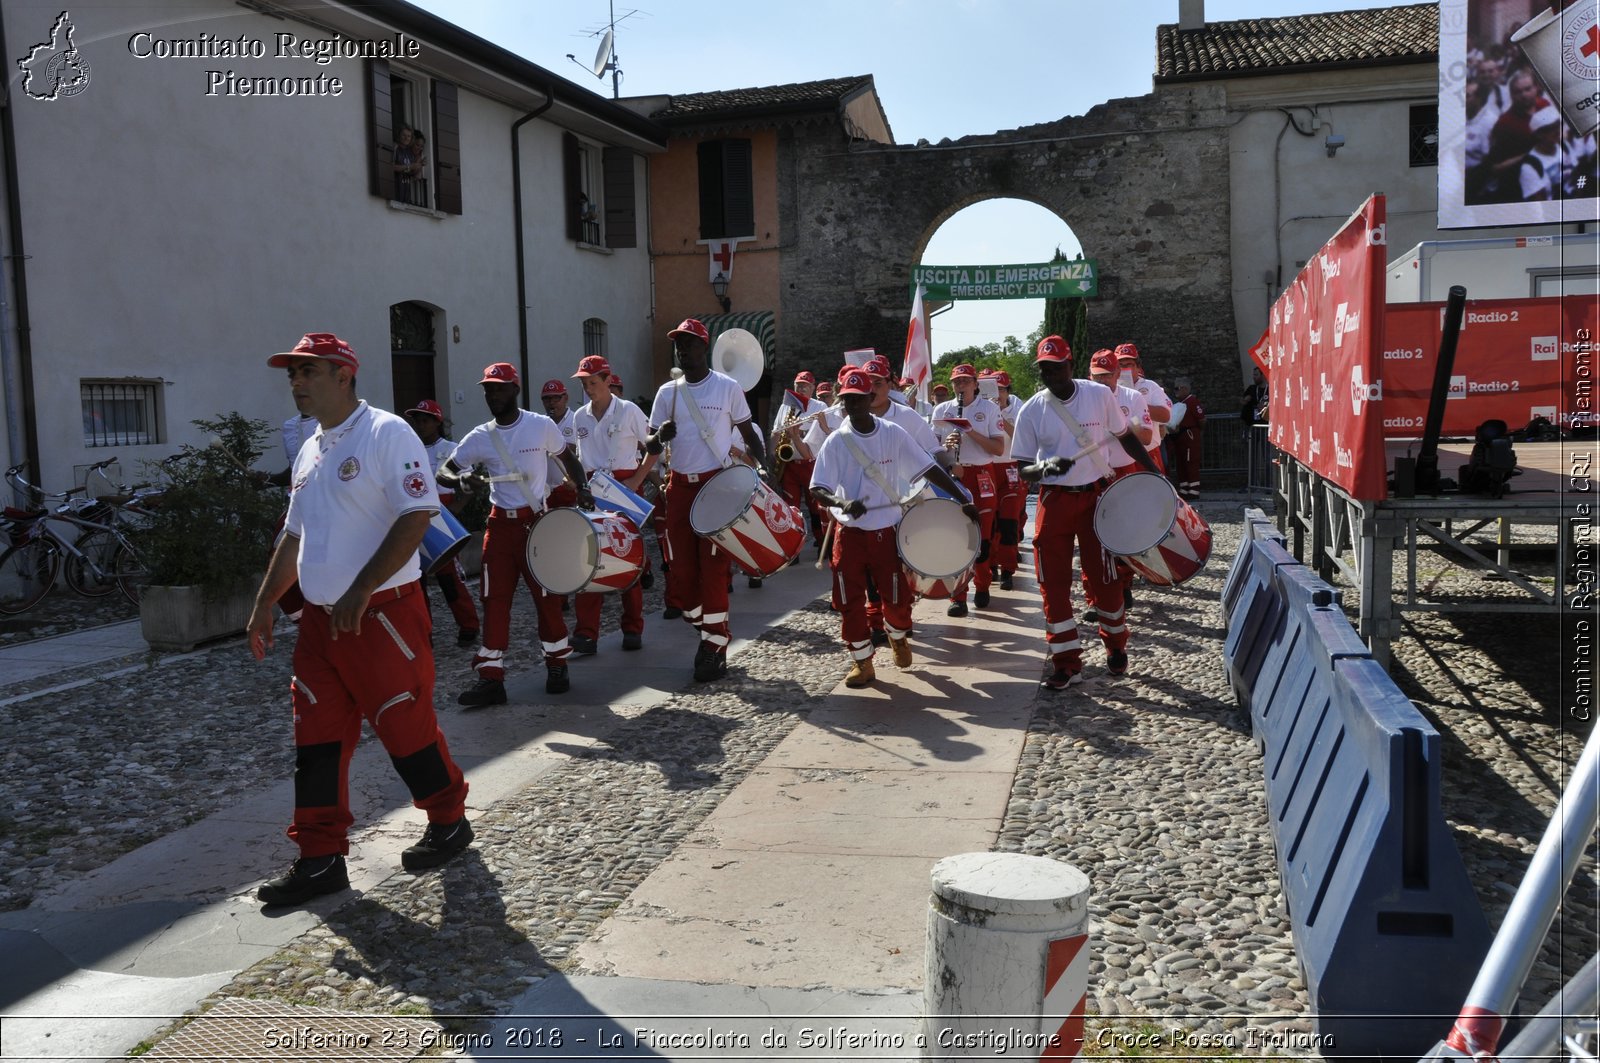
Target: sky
[(942, 68)]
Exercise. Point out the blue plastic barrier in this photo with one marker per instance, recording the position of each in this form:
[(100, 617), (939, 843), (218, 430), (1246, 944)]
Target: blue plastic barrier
[(1386, 924)]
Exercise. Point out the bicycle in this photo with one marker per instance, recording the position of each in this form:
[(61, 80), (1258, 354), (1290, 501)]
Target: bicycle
[(97, 561)]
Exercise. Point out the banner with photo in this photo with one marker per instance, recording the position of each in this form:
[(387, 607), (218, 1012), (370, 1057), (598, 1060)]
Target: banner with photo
[(1519, 105), (1323, 355)]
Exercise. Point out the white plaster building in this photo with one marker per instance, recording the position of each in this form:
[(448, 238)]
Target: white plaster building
[(165, 232)]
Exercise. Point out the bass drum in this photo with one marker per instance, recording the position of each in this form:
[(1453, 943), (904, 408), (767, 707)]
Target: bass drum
[(571, 551), (1141, 519), (938, 546), (749, 520)]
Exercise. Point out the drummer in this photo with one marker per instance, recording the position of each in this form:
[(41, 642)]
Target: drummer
[(427, 420), (708, 407), (1131, 365), (1069, 433), (974, 446), (515, 446), (1011, 494), (1104, 369), (610, 433), (863, 472)]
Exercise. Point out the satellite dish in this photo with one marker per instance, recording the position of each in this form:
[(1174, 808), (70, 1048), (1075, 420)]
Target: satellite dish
[(738, 354), (603, 56)]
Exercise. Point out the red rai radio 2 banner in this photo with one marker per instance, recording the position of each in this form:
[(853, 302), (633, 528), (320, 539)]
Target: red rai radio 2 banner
[(1516, 359), (1322, 357)]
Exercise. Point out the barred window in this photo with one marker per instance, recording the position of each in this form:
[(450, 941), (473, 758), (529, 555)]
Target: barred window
[(1424, 135), (594, 336), (118, 413)]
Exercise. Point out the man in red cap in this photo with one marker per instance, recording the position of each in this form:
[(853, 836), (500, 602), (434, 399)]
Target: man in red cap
[(1104, 369), (1131, 367), (427, 420), (1184, 443), (516, 447), (863, 471), (360, 501), (1068, 434), (557, 406), (1012, 493), (976, 439), (788, 428), (611, 432), (710, 407)]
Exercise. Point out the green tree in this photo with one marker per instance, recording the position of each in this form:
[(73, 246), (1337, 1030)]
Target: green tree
[(1069, 319)]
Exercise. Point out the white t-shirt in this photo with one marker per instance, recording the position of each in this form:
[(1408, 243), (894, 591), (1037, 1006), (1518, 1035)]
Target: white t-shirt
[(985, 418), (920, 431), (1155, 398), (558, 472), (350, 484), (532, 440), (823, 427), (784, 415), (296, 430), (611, 441), (1008, 414), (1041, 433), (1137, 412), (722, 406), (891, 449)]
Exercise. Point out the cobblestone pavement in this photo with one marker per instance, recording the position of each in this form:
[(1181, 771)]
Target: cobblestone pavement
[(1149, 783)]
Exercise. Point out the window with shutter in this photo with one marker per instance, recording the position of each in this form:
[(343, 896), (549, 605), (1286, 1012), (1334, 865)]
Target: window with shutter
[(414, 138), (727, 189), (621, 224)]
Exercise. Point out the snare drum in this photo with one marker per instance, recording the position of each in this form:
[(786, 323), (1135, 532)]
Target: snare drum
[(1141, 519), (611, 493), (442, 541), (938, 546), (571, 551), (748, 519)]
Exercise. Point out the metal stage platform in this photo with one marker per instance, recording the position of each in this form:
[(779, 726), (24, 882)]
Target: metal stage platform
[(1551, 503)]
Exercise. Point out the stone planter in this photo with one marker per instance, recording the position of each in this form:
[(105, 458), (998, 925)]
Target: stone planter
[(181, 618)]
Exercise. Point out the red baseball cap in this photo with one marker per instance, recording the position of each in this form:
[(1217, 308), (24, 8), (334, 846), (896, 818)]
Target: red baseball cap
[(940, 385), (1127, 350), (804, 377), (591, 365), (324, 345), (1002, 378), (1053, 349), (1104, 361), (825, 387), (615, 382), (963, 370), (855, 382), (501, 373), (553, 387), (845, 370), (691, 327), (878, 366), (429, 407)]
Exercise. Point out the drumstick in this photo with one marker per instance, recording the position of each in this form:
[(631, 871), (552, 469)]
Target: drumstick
[(827, 539)]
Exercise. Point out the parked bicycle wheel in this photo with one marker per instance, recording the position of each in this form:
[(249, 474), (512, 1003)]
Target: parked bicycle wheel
[(27, 572), (130, 573), (91, 575)]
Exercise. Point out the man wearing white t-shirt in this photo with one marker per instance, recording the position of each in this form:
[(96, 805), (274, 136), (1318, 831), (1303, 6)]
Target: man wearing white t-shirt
[(427, 420), (1070, 433), (1104, 369), (863, 471), (1011, 493), (1131, 367), (516, 447), (360, 502), (610, 433), (974, 429), (558, 407), (698, 414), (790, 423)]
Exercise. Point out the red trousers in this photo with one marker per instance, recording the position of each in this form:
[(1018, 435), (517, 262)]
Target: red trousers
[(505, 558), (858, 554), (796, 490), (1186, 457), (453, 585), (697, 572), (383, 675), (977, 479), (1012, 496), (1064, 517)]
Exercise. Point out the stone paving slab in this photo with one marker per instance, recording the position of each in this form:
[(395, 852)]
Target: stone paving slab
[(904, 734)]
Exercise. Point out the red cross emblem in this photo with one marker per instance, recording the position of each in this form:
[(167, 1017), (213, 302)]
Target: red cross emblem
[(1592, 45), (722, 255)]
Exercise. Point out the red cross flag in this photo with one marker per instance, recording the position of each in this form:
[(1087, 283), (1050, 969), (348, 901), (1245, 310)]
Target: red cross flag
[(721, 259), (918, 364)]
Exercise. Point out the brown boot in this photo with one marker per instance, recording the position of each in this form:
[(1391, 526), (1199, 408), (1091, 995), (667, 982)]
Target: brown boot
[(902, 651), (861, 674)]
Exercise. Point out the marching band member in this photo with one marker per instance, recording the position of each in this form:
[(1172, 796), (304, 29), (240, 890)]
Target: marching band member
[(1069, 433), (1185, 442), (1104, 369), (516, 446), (1155, 396), (1012, 493), (863, 471), (714, 405), (610, 433), (557, 406), (976, 445), (427, 420), (789, 425)]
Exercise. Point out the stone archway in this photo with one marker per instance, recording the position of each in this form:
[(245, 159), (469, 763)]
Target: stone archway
[(1142, 182)]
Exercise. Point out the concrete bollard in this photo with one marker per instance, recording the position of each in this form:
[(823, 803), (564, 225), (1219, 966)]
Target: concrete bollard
[(1008, 958)]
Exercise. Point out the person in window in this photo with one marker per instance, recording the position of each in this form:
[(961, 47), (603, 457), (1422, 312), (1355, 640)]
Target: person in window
[(408, 155)]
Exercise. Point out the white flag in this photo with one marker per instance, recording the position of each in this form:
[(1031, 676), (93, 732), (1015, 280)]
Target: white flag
[(918, 364)]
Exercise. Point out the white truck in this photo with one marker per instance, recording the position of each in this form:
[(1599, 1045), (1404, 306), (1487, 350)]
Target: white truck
[(1508, 267)]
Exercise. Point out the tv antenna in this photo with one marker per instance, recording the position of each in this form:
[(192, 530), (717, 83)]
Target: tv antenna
[(605, 57)]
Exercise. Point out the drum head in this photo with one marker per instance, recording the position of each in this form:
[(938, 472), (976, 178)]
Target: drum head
[(562, 551), (1135, 513), (936, 539), (722, 499)]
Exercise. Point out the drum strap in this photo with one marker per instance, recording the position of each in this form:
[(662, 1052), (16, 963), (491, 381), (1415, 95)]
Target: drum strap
[(1080, 434), (700, 421), (870, 467), (517, 473)]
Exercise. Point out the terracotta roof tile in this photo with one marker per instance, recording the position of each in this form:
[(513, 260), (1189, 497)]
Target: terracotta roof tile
[(1256, 46), (730, 103)]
